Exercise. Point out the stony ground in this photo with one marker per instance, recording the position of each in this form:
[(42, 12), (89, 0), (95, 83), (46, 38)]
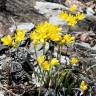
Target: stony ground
[(48, 10)]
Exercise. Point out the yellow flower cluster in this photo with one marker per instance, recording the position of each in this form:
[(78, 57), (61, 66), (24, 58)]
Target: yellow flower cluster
[(73, 8), (48, 31), (80, 16), (11, 40), (74, 60), (7, 40), (70, 18), (83, 86), (45, 64), (41, 59), (45, 31), (67, 39), (20, 35)]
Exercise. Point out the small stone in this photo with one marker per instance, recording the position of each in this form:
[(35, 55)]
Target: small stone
[(56, 20), (90, 11), (84, 37), (1, 93)]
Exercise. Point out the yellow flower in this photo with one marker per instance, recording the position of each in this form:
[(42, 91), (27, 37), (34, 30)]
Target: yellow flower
[(20, 30), (47, 28), (62, 42), (80, 16), (7, 40), (63, 15), (54, 61), (41, 59), (20, 35), (42, 38), (46, 31), (74, 60), (35, 42), (34, 37), (45, 66), (55, 37), (69, 39), (73, 8), (71, 20), (83, 86)]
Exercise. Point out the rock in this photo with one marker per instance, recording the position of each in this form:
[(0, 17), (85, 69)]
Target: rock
[(19, 54), (49, 9), (24, 26), (64, 60), (85, 46), (1, 93), (94, 48), (84, 37), (90, 11), (56, 20), (20, 11), (2, 29), (57, 1), (2, 57), (19, 6), (18, 73), (5, 63)]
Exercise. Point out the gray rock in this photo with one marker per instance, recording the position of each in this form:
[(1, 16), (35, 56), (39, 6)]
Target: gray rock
[(56, 20), (49, 9), (90, 11), (18, 73), (19, 54), (83, 45), (19, 6), (20, 10), (24, 26), (1, 93), (86, 47)]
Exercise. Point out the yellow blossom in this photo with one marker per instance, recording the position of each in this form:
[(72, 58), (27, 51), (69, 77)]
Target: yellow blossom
[(45, 66), (55, 37), (80, 16), (7, 40), (74, 60), (20, 30), (63, 15), (41, 59), (73, 8), (71, 20), (54, 61), (46, 31), (62, 42), (35, 42), (69, 39), (42, 38), (83, 86), (47, 28), (20, 35), (33, 36)]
